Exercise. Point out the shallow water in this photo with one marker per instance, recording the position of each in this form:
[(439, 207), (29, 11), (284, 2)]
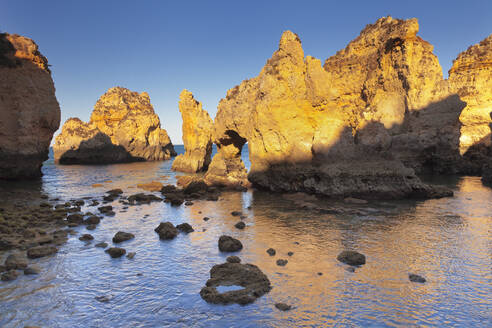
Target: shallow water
[(447, 241)]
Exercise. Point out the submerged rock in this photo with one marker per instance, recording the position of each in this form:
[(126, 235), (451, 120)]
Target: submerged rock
[(86, 237), (29, 111), (116, 252), (254, 282), (101, 245), (283, 306), (166, 230), (229, 244), (197, 136), (416, 278), (123, 128), (185, 227), (122, 236), (352, 258), (10, 275), (15, 262), (31, 270)]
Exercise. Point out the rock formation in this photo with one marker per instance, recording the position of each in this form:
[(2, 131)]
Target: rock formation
[(471, 77), (29, 111), (197, 136), (344, 129), (123, 128)]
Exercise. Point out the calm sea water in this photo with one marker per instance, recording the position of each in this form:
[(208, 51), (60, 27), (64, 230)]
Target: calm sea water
[(448, 241)]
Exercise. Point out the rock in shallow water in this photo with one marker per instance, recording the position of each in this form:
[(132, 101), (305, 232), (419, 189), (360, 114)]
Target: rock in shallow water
[(351, 258), (185, 227), (15, 262), (233, 259), (122, 236), (116, 252), (86, 237), (41, 251), (271, 252), (254, 282), (229, 244), (282, 262), (416, 278), (10, 275), (283, 306), (240, 225), (166, 230)]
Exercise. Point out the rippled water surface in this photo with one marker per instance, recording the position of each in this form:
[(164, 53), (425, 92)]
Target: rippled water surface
[(447, 241)]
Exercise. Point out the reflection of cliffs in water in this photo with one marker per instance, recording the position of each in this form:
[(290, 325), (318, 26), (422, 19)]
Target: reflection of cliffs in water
[(123, 128)]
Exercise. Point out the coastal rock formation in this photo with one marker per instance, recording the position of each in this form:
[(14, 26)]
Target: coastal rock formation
[(350, 128), (29, 111), (123, 128), (471, 78), (197, 135)]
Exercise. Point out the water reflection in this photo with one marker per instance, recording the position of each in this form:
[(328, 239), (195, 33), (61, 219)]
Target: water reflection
[(447, 241)]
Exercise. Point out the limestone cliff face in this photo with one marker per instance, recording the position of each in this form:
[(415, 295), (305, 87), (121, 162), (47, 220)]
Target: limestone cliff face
[(471, 77), (342, 129), (197, 135), (29, 111), (123, 128)]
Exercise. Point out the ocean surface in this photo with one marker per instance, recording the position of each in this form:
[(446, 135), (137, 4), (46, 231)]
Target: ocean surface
[(448, 241)]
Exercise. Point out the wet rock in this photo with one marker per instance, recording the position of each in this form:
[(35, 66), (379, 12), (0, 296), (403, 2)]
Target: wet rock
[(15, 262), (185, 227), (240, 225), (283, 306), (41, 251), (233, 259), (91, 227), (175, 199), (236, 213), (79, 202), (254, 282), (116, 252), (290, 253), (195, 186), (229, 244), (142, 198), (86, 237), (10, 275), (105, 209), (271, 252), (166, 230), (122, 236), (131, 255), (206, 218), (320, 273), (351, 258), (168, 189), (75, 218), (92, 220), (101, 245), (188, 203), (103, 298), (31, 270), (416, 278), (281, 262), (115, 192), (351, 200)]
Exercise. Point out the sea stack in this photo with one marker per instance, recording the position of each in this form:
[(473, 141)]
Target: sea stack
[(471, 78), (29, 111), (123, 128), (197, 135), (359, 126)]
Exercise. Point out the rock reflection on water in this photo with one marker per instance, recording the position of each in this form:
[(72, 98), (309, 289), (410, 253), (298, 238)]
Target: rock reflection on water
[(447, 241)]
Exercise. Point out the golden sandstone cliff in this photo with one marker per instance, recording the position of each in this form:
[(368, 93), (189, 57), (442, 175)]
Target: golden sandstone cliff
[(197, 135), (29, 111), (360, 125), (123, 128)]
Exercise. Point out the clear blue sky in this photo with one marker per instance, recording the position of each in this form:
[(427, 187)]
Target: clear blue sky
[(208, 47)]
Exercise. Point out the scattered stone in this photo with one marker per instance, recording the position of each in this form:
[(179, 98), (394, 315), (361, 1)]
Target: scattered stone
[(189, 203), (101, 245), (105, 209), (350, 269), (351, 258), (240, 225), (236, 213), (103, 298), (185, 227), (290, 253), (86, 237), (75, 218), (10, 275), (320, 273), (142, 198), (116, 252), (281, 262), (416, 278), (229, 244), (92, 220), (41, 251), (254, 282), (15, 262), (122, 236), (166, 230), (31, 270), (233, 259), (131, 255), (271, 252), (115, 192), (283, 306), (91, 227), (206, 218)]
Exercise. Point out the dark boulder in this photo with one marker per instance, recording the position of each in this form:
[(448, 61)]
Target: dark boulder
[(122, 236), (166, 230), (351, 258), (41, 251), (116, 252), (229, 244), (185, 227), (416, 278)]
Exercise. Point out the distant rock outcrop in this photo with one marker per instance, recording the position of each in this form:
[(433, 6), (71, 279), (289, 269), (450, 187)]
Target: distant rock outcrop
[(342, 130), (471, 78), (197, 135), (29, 111), (123, 128)]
